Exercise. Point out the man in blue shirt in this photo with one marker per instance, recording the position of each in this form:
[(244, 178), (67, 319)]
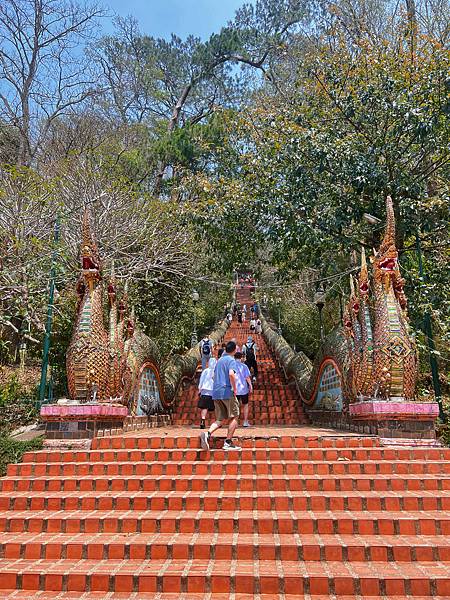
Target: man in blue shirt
[(243, 384), (226, 404)]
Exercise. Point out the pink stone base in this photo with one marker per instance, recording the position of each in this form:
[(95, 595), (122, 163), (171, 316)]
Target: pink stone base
[(91, 412), (397, 409)]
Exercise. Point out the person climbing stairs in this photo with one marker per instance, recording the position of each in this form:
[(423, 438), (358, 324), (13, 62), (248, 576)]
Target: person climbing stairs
[(274, 401)]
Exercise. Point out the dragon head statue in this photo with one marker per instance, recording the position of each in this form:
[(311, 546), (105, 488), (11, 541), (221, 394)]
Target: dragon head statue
[(385, 263), (90, 259)]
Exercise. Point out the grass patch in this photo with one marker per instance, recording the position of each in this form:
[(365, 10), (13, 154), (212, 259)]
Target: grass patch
[(11, 451)]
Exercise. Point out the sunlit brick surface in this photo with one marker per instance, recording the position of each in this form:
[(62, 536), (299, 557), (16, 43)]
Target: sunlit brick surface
[(299, 512)]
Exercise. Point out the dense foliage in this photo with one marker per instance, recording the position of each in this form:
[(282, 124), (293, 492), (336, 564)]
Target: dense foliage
[(17, 408), (360, 111), (11, 451), (17, 399)]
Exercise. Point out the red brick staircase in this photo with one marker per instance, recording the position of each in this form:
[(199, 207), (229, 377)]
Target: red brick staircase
[(297, 513), (274, 400)]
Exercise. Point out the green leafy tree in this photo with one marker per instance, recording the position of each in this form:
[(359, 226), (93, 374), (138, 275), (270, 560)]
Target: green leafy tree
[(363, 117), (177, 83)]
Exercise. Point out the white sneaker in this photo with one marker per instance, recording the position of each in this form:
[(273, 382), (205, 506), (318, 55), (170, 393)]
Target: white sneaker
[(230, 446), (246, 424), (204, 440)]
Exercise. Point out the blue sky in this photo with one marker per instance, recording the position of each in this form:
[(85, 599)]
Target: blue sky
[(160, 18)]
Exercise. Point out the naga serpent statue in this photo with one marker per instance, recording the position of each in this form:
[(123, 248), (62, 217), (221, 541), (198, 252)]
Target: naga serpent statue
[(118, 366), (383, 356), (364, 376)]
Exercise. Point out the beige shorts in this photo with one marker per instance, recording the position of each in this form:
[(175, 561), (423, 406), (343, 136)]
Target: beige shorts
[(226, 409)]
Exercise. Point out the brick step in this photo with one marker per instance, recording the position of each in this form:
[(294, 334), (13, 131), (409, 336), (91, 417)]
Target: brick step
[(281, 418), (259, 406), (244, 467), (268, 379), (31, 595), (193, 416), (285, 411), (268, 441), (319, 455), (258, 401), (284, 419), (300, 501), (192, 422), (278, 397), (281, 397), (216, 483), (249, 577), (242, 521), (278, 392), (331, 450), (189, 546), (190, 409), (46, 595), (282, 413), (195, 423), (281, 393)]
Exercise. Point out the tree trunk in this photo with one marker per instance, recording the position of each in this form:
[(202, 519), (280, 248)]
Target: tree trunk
[(24, 144), (171, 126), (412, 25), (25, 134)]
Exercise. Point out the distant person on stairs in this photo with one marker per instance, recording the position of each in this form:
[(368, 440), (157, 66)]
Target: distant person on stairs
[(205, 388), (258, 327), (206, 348), (249, 350), (221, 350), (226, 404), (243, 384)]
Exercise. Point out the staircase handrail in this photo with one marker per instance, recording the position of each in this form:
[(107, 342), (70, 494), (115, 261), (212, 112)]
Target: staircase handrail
[(295, 365)]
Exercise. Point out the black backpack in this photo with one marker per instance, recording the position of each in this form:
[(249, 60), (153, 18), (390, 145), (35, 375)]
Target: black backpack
[(206, 348), (250, 352)]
